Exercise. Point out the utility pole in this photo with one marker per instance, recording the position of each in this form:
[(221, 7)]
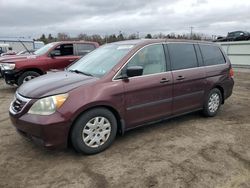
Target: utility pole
[(191, 32)]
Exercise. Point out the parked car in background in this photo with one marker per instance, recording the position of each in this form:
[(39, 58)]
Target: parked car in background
[(56, 55), (121, 86), (235, 36), (238, 35), (4, 48)]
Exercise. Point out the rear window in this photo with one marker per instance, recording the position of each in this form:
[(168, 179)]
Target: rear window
[(212, 55), (83, 49), (182, 56)]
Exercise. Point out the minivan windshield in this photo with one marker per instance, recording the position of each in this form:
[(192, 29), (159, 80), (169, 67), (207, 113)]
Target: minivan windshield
[(44, 49), (100, 61)]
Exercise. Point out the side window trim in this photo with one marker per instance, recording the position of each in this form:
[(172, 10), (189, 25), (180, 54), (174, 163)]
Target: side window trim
[(167, 57), (199, 55)]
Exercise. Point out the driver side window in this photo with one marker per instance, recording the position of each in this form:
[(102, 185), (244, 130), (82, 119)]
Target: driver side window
[(150, 58), (64, 50)]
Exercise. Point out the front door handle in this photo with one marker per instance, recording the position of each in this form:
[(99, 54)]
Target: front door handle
[(180, 78), (71, 60), (164, 80)]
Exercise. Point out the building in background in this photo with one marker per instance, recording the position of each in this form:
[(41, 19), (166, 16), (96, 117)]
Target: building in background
[(238, 52), (17, 44)]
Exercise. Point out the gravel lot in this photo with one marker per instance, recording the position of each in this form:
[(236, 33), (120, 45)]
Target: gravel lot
[(188, 151)]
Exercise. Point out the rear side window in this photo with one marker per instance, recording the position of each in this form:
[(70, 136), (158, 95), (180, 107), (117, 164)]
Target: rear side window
[(212, 55), (182, 56), (83, 49)]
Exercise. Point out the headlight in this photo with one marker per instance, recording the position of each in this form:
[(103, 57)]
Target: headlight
[(48, 105), (7, 66)]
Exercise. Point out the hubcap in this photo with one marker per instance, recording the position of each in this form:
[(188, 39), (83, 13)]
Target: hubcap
[(214, 102), (27, 78), (96, 132)]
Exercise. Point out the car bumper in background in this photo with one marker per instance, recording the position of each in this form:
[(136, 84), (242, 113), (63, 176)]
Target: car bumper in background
[(9, 76)]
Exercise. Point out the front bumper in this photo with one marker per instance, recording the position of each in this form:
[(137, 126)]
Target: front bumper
[(48, 131), (9, 76)]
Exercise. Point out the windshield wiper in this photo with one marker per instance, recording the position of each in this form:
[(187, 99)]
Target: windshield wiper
[(81, 72)]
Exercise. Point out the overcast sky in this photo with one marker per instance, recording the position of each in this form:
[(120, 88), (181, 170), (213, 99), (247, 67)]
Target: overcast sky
[(31, 18)]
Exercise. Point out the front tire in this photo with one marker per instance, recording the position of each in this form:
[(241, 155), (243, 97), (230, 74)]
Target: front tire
[(212, 103), (26, 76), (94, 131)]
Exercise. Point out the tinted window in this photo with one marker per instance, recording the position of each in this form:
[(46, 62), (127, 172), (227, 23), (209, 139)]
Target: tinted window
[(151, 58), (64, 50), (212, 55), (235, 34), (83, 49), (182, 56)]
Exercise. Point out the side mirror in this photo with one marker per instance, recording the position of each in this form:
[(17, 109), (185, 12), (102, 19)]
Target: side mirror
[(134, 71), (55, 53)]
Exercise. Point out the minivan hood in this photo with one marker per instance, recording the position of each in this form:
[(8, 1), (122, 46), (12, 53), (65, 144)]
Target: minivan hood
[(53, 83)]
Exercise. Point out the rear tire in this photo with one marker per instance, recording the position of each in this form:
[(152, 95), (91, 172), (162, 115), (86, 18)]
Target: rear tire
[(26, 76), (94, 131), (212, 103)]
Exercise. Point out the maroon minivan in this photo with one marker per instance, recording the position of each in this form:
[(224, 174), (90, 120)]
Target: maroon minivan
[(17, 69), (121, 86)]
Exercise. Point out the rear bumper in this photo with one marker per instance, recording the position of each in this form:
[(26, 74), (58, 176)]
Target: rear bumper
[(50, 132), (228, 88)]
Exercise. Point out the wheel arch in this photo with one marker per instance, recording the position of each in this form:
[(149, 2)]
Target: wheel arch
[(41, 72)]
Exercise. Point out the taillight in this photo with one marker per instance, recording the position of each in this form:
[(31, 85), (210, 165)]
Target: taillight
[(231, 73)]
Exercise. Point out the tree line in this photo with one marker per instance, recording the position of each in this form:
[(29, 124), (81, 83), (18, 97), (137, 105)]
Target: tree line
[(118, 37)]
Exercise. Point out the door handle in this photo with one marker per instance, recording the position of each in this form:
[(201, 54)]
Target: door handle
[(164, 80), (180, 78), (71, 60)]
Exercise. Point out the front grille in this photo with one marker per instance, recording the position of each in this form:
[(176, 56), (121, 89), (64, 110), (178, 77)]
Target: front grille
[(18, 104)]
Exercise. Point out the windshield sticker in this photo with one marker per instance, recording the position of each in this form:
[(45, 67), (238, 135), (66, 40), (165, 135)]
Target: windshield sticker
[(123, 47)]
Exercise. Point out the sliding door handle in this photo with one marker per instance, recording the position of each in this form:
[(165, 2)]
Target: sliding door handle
[(180, 78), (164, 80)]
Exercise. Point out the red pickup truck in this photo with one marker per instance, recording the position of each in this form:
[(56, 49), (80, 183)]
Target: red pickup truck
[(56, 55)]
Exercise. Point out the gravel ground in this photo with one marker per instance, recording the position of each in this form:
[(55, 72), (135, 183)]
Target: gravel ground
[(188, 151)]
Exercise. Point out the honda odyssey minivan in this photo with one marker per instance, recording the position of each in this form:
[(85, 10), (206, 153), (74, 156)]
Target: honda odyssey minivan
[(121, 86)]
